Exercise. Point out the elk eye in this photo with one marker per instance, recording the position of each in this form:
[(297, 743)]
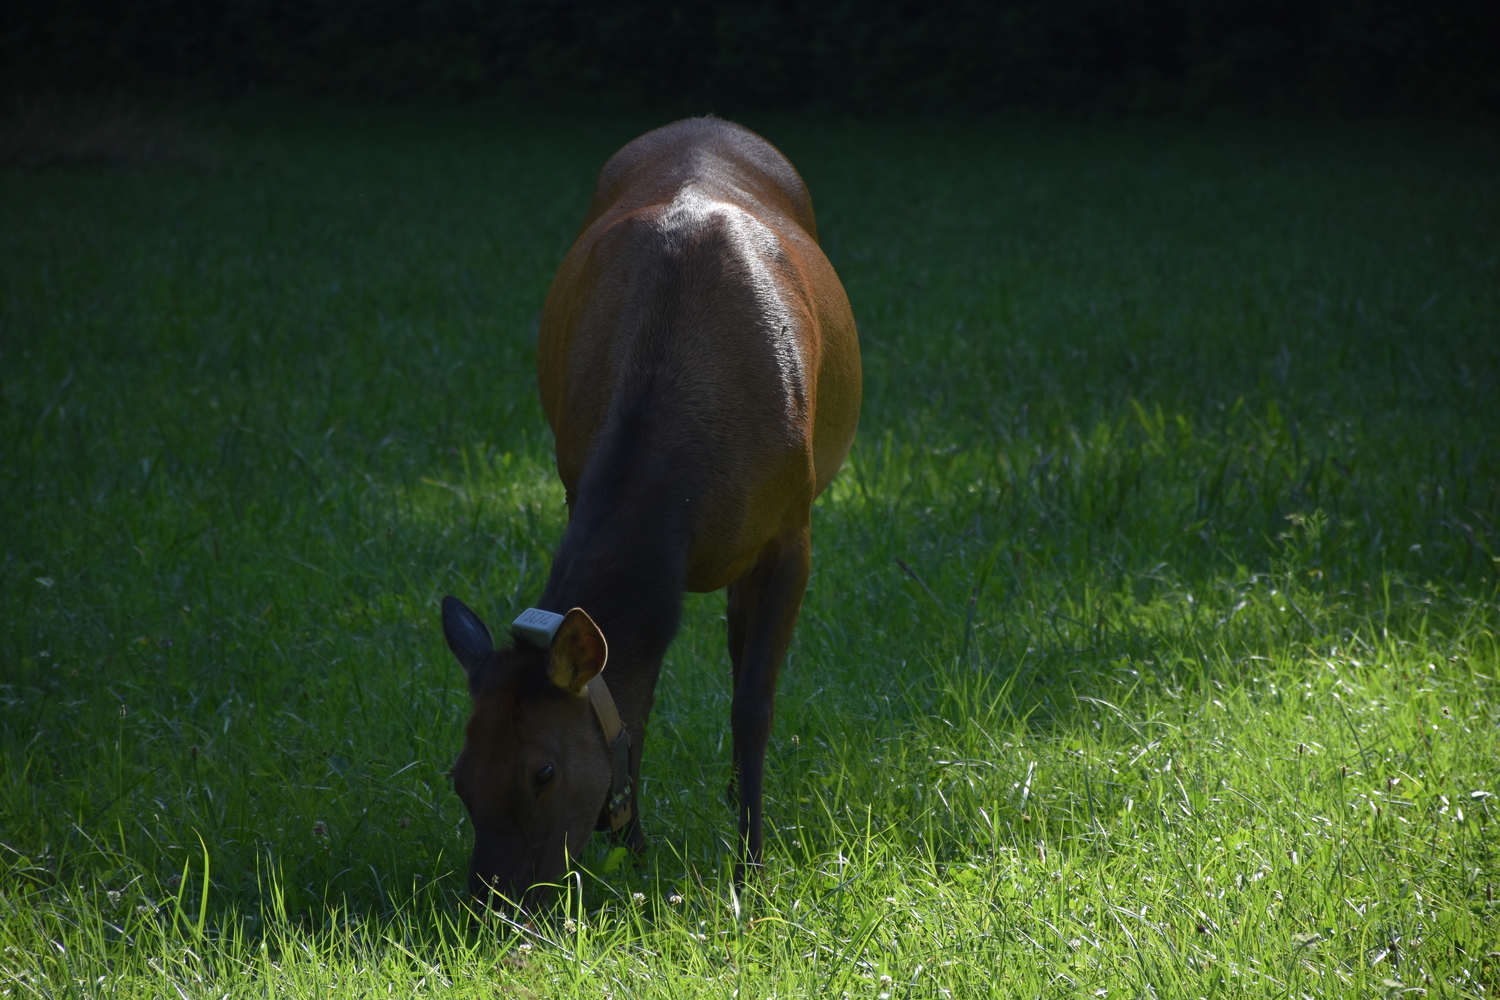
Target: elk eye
[(544, 776)]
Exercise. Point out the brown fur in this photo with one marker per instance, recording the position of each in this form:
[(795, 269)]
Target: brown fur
[(699, 366)]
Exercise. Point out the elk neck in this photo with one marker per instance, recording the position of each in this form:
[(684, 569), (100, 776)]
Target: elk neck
[(624, 554)]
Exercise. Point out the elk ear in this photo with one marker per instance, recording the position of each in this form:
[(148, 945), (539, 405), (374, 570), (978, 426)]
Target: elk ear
[(578, 652), (467, 636)]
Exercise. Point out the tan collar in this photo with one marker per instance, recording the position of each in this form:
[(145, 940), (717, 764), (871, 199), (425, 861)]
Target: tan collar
[(619, 808)]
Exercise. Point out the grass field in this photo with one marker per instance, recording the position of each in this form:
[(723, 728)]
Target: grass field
[(1151, 645)]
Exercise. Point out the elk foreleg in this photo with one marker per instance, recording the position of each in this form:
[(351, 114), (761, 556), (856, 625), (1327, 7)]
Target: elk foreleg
[(763, 609)]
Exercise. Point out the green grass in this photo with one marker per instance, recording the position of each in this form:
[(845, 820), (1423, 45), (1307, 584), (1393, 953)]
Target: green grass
[(1184, 435)]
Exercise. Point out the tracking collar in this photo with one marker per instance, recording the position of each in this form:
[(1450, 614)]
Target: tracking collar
[(538, 627)]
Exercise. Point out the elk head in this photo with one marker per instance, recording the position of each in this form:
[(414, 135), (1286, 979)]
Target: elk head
[(534, 771)]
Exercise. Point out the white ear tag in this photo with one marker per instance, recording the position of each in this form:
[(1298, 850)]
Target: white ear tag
[(537, 626)]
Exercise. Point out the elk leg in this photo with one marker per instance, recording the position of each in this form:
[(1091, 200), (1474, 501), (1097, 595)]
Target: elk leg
[(735, 616), (634, 835), (768, 600)]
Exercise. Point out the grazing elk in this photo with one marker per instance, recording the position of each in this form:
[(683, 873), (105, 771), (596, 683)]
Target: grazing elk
[(699, 366)]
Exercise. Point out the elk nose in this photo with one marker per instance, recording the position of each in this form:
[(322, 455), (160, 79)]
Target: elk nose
[(499, 871), (494, 893), (502, 890)]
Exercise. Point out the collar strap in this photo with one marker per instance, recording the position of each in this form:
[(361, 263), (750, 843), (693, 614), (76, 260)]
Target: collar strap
[(538, 627), (619, 808)]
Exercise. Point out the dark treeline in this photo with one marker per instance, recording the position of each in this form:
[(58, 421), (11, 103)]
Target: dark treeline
[(870, 55)]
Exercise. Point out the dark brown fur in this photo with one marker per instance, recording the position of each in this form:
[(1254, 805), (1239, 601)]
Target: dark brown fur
[(699, 366)]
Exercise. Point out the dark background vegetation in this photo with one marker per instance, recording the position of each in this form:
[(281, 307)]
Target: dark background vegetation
[(867, 56)]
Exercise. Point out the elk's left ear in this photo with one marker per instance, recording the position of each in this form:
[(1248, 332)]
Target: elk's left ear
[(578, 652), (467, 636)]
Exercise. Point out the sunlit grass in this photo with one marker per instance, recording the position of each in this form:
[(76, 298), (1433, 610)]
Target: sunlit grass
[(1150, 647)]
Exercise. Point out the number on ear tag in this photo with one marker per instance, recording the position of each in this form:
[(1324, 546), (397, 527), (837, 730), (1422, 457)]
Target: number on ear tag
[(537, 626)]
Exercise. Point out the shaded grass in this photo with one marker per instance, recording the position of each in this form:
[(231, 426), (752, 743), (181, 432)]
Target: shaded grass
[(1183, 437)]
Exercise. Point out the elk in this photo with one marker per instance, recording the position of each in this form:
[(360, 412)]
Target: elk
[(699, 366)]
